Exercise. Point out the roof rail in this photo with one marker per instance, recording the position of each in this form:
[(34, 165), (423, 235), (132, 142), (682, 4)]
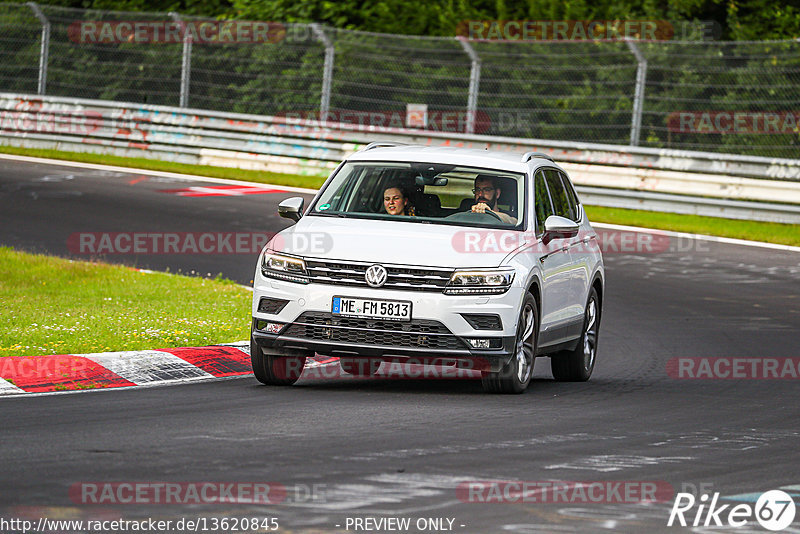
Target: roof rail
[(527, 156), (382, 144)]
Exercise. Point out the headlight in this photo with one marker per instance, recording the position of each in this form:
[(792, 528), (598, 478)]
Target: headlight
[(486, 282), (284, 268)]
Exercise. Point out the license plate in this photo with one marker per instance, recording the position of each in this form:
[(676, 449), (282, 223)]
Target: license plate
[(393, 310)]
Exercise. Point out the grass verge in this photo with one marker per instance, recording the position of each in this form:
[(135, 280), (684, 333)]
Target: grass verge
[(785, 234), (57, 306)]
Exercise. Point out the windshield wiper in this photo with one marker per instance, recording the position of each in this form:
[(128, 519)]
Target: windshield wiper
[(329, 214)]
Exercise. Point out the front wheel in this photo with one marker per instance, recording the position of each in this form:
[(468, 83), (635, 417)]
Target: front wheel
[(516, 375), (577, 365), (275, 370)]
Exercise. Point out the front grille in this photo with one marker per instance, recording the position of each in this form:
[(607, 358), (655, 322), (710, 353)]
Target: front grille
[(418, 333), (399, 277), (481, 321), (273, 306)]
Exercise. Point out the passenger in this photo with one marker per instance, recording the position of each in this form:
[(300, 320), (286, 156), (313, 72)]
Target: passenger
[(396, 202), (486, 194)]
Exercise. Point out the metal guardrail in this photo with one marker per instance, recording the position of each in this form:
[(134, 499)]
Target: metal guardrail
[(746, 187)]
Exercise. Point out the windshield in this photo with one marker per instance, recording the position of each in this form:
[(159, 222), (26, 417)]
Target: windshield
[(426, 193)]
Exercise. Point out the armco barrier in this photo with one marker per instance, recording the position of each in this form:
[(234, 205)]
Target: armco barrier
[(308, 147)]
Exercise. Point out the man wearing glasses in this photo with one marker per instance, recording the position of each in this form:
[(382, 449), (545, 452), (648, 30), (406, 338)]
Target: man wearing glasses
[(486, 194)]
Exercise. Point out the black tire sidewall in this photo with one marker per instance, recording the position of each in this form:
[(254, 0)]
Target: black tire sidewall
[(506, 380), (568, 365), (272, 370)]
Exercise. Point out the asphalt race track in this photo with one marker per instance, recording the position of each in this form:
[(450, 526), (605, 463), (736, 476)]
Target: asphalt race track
[(370, 449)]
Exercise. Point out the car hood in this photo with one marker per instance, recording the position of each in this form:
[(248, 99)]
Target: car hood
[(395, 242)]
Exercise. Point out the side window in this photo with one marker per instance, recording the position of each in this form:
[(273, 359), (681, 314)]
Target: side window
[(561, 204), (572, 196), (542, 201)]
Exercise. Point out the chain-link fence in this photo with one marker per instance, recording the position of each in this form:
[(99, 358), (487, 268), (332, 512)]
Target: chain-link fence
[(735, 97)]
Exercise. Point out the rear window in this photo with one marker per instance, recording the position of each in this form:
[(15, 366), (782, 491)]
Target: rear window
[(429, 193)]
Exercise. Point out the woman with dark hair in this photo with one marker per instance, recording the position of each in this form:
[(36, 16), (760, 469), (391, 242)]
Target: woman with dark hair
[(396, 201)]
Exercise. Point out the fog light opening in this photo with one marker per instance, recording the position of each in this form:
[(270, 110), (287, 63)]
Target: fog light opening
[(485, 343), (268, 327)]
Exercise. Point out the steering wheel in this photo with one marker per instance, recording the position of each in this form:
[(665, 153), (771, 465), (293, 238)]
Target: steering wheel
[(488, 217), (493, 214)]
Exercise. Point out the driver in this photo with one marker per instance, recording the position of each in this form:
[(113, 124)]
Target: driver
[(486, 194)]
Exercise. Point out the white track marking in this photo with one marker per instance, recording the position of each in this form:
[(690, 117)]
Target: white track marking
[(699, 237), (132, 170), (148, 366), (7, 388), (608, 463)]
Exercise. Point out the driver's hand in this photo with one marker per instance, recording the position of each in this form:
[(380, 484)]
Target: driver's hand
[(480, 208)]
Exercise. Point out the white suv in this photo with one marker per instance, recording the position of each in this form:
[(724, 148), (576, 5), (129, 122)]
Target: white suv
[(439, 256)]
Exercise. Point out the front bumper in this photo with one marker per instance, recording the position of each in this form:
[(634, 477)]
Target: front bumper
[(437, 334)]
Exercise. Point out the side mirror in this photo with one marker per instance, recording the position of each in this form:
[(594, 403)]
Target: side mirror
[(292, 208), (556, 227)]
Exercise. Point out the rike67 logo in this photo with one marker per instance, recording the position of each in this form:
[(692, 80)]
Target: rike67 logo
[(774, 510)]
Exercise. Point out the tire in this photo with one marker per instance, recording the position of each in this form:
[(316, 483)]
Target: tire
[(577, 365), (360, 366), (516, 374), (275, 370)]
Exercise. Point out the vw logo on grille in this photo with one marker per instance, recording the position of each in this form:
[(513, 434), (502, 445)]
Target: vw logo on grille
[(375, 275)]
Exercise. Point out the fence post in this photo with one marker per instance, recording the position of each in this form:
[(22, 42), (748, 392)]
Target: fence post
[(327, 71), (186, 60), (474, 83), (638, 97), (44, 52)]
